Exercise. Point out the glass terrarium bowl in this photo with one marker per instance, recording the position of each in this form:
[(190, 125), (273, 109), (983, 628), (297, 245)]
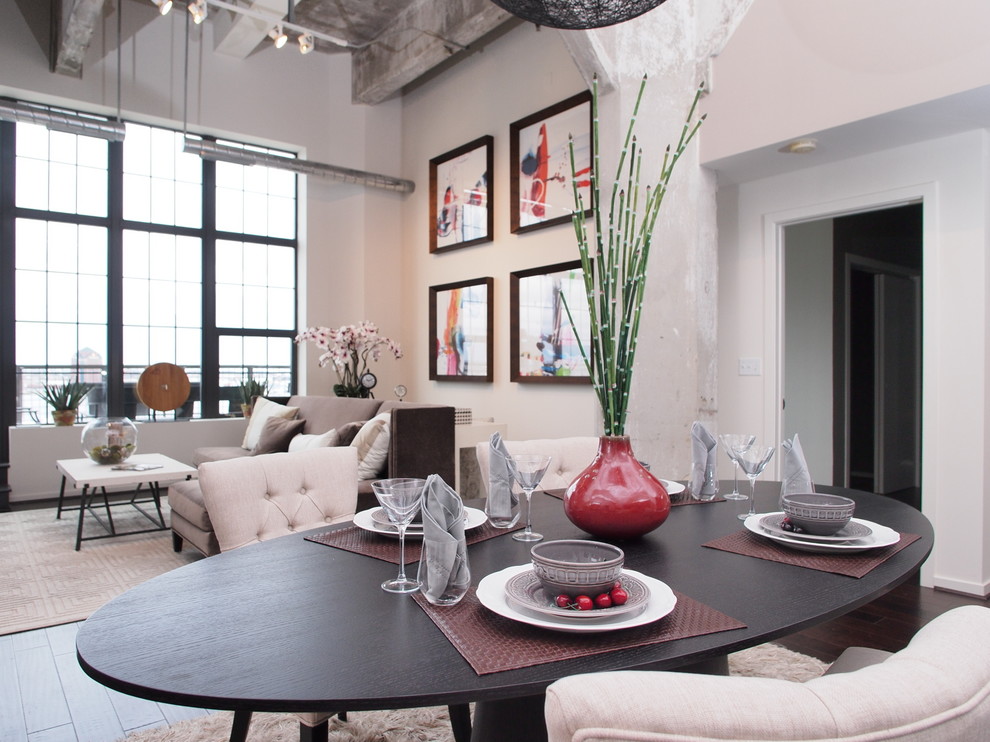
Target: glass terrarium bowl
[(109, 440)]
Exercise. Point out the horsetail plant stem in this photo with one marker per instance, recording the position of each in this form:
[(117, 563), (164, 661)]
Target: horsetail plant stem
[(614, 264)]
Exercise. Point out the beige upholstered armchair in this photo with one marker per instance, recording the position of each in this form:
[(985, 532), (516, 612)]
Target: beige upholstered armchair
[(261, 497), (936, 689), (568, 457)]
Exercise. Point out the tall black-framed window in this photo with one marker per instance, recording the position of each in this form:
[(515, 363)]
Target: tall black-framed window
[(119, 255)]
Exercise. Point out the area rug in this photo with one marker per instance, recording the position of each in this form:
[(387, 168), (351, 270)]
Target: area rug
[(431, 724), (45, 582)]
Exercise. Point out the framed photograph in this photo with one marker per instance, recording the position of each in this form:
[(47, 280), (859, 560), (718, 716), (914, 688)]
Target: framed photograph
[(461, 328), (460, 196), (540, 164), (543, 341)]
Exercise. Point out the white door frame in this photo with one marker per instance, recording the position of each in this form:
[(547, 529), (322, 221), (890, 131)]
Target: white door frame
[(774, 224)]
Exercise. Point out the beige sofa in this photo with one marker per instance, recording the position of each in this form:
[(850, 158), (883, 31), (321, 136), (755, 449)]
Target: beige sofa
[(421, 442)]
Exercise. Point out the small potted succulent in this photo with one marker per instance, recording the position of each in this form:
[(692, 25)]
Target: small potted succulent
[(65, 400), (249, 390)]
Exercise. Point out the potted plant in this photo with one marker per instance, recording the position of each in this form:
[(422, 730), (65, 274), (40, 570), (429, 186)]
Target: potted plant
[(616, 497), (65, 399), (251, 389), (349, 349)]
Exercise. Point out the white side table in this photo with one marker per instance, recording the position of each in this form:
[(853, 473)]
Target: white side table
[(146, 469)]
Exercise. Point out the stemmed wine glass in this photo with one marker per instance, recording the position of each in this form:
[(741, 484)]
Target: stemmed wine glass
[(753, 460), (400, 499), (730, 442), (528, 471)]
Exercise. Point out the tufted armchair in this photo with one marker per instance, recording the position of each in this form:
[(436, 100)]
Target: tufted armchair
[(261, 497), (568, 457), (264, 497), (936, 689)]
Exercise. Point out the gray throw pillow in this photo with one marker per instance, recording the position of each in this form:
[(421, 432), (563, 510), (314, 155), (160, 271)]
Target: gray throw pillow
[(276, 434), (347, 431)]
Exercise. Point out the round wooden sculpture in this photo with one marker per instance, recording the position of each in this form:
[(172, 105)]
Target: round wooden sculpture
[(163, 387)]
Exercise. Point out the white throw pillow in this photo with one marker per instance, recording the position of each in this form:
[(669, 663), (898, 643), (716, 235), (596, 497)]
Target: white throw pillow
[(305, 442), (371, 443), (264, 409)]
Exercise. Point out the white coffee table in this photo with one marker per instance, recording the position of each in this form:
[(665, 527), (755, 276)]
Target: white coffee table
[(143, 469)]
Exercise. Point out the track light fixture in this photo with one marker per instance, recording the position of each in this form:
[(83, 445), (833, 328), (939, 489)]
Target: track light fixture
[(198, 10), (164, 6), (306, 43), (278, 36)]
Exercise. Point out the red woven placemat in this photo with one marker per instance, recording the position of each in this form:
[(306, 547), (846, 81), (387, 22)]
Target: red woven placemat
[(680, 499), (851, 565), (371, 544), (492, 643)]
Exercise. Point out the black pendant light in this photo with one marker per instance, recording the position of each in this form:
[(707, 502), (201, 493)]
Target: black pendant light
[(577, 14)]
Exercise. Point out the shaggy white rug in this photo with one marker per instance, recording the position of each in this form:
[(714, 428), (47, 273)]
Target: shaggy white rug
[(431, 724)]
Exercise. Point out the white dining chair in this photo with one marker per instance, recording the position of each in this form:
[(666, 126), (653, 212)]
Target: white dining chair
[(568, 457), (937, 689)]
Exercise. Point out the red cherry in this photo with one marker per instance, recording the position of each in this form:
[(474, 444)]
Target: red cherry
[(584, 603), (619, 596), (563, 601), (603, 601)]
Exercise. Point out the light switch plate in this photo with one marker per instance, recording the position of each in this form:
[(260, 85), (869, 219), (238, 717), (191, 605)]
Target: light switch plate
[(750, 367)]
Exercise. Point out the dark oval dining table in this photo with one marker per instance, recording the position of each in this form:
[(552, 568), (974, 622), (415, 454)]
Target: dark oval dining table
[(293, 625)]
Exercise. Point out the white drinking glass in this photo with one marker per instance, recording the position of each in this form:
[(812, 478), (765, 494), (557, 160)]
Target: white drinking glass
[(400, 499), (528, 471)]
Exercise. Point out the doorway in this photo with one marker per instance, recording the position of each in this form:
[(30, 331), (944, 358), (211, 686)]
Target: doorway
[(852, 356)]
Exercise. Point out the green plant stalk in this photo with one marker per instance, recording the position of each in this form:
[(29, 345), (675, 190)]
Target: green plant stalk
[(67, 396), (615, 272)]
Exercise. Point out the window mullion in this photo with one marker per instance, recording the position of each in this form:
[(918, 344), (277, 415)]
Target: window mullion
[(115, 280), (210, 372)]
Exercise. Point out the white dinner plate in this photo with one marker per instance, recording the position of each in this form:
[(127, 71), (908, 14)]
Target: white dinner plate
[(365, 519), (881, 536), (852, 531), (491, 593), (673, 488)]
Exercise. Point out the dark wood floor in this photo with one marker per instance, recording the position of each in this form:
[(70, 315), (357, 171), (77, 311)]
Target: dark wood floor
[(887, 623)]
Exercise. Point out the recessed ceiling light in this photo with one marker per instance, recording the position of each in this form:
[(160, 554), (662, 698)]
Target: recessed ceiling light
[(800, 147)]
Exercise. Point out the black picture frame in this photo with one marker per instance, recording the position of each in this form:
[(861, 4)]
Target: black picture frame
[(461, 191), (540, 182), (542, 341), (462, 341)]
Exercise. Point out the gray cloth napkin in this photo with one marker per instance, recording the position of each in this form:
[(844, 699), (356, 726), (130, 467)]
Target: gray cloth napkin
[(444, 545), (795, 477), (704, 462), (501, 498)]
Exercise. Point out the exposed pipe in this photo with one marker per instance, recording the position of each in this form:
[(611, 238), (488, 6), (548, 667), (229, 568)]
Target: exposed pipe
[(236, 155)]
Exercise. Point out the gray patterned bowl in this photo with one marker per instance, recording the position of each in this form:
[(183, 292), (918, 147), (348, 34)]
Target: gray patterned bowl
[(819, 514), (576, 567)]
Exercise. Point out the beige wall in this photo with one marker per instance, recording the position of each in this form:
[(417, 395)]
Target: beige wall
[(516, 75)]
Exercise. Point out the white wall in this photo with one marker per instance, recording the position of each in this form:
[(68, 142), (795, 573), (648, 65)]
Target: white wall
[(950, 176), (795, 67), (807, 320)]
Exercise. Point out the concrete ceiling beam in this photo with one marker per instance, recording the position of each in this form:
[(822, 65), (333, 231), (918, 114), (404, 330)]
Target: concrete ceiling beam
[(239, 35), (79, 23), (421, 37)]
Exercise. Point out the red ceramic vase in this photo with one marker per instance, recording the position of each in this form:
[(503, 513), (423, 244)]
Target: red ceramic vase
[(616, 497)]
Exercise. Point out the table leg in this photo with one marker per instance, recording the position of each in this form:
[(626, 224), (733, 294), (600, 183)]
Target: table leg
[(61, 496), (239, 729), (82, 512), (106, 505), (156, 493), (460, 721), (513, 718)]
